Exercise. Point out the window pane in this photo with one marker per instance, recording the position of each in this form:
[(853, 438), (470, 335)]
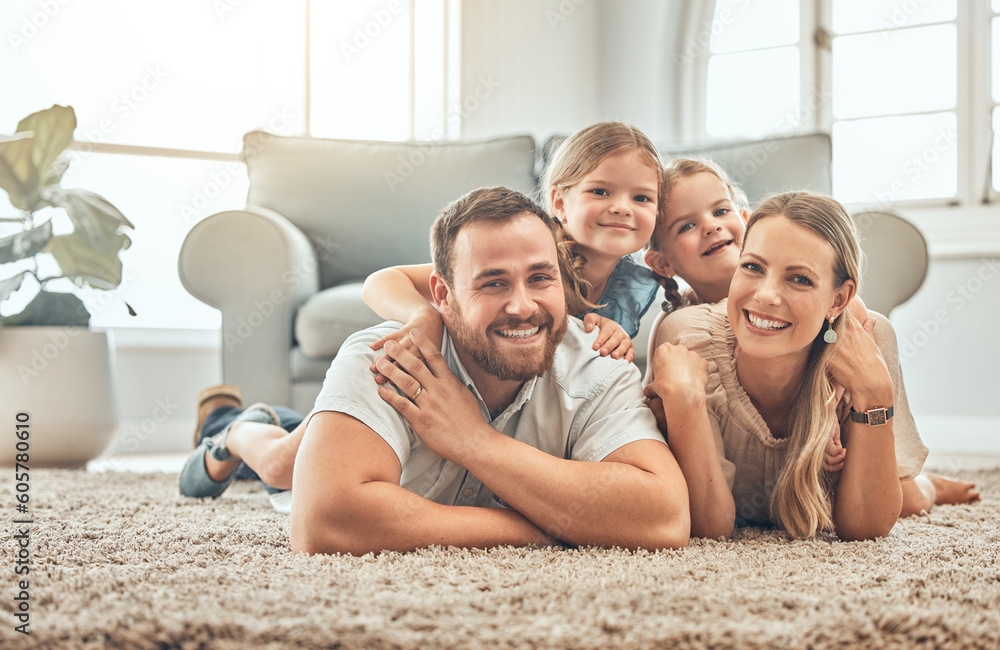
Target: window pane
[(360, 70), (429, 70), (903, 71), (187, 74), (742, 25), (872, 15), (895, 158), (995, 47), (753, 92), (996, 148), (163, 197), (996, 6)]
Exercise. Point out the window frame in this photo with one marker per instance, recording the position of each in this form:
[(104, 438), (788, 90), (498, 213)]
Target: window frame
[(975, 195)]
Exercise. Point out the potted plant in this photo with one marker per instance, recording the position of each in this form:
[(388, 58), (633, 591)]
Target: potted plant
[(56, 372)]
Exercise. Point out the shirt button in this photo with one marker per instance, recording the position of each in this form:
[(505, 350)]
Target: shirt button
[(468, 493)]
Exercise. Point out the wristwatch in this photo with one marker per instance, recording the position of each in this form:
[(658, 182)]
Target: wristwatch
[(873, 418)]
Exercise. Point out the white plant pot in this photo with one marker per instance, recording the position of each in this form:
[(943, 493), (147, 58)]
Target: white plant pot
[(59, 381)]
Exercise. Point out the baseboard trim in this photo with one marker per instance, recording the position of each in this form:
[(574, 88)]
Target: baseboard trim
[(960, 435)]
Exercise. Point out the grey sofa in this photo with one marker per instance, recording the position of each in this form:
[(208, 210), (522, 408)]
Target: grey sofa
[(286, 271)]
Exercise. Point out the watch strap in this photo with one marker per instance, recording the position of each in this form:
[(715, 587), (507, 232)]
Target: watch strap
[(874, 417)]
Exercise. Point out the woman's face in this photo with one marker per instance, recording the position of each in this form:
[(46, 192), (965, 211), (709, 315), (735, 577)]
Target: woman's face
[(702, 230), (783, 289)]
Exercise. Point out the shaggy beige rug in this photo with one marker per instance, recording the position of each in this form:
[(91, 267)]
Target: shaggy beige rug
[(120, 560)]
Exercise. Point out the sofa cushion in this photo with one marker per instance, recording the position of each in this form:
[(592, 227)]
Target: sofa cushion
[(324, 322), (369, 205)]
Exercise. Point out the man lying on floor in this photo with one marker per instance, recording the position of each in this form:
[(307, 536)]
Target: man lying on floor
[(509, 417)]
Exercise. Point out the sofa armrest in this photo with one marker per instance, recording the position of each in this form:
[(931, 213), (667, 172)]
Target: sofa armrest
[(256, 267)]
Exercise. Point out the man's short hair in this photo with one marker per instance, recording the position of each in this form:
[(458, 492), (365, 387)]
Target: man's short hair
[(496, 205)]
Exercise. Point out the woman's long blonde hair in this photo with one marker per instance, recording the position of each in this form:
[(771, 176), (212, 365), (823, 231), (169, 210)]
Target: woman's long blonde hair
[(801, 501)]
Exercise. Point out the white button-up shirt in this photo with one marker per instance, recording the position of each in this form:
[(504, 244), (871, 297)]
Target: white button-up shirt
[(584, 408)]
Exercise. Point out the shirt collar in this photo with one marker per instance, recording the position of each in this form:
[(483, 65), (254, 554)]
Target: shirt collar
[(454, 362)]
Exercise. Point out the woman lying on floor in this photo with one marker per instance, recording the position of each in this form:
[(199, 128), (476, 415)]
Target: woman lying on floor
[(751, 433)]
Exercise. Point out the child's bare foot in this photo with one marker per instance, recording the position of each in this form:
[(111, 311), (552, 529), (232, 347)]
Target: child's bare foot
[(949, 490), (219, 470)]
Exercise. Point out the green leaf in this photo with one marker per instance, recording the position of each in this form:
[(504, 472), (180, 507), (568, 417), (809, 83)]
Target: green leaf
[(53, 129), (10, 285), (18, 174), (25, 243), (94, 219), (51, 309), (83, 264), (54, 174)]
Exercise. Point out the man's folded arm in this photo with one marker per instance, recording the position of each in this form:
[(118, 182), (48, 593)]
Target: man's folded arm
[(346, 498), (635, 497)]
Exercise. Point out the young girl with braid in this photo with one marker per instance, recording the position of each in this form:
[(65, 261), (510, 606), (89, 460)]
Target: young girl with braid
[(698, 238)]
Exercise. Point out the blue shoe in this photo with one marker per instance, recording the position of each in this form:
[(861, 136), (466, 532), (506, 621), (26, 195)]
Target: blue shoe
[(195, 481)]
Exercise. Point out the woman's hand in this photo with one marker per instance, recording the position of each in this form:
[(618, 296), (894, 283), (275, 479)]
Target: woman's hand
[(858, 366), (426, 320), (680, 376), (611, 339)]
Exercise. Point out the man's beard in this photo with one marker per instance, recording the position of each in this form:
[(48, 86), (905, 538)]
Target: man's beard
[(513, 366)]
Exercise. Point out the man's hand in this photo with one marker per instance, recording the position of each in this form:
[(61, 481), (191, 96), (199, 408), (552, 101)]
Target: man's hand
[(611, 339), (443, 412)]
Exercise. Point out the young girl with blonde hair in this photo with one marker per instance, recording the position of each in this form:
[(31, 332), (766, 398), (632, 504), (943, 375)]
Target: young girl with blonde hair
[(603, 185)]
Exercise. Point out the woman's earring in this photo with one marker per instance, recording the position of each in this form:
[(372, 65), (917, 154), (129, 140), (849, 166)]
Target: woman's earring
[(565, 221), (830, 336)]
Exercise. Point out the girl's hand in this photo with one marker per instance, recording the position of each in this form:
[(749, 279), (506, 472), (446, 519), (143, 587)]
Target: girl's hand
[(612, 338), (680, 376), (833, 458), (858, 366), (426, 320)]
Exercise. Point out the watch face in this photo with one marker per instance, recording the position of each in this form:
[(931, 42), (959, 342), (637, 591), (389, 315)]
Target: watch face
[(876, 417)]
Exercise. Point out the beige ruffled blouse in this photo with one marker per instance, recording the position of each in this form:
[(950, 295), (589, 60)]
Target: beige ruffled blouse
[(751, 457)]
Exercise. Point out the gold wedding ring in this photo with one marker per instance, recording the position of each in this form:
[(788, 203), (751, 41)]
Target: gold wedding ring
[(420, 389)]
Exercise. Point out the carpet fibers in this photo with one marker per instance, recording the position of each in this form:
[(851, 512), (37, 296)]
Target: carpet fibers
[(120, 560)]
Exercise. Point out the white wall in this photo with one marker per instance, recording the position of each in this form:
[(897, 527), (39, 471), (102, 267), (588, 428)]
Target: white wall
[(542, 56)]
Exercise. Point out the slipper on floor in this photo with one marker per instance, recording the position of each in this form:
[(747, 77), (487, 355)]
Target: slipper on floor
[(219, 390)]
